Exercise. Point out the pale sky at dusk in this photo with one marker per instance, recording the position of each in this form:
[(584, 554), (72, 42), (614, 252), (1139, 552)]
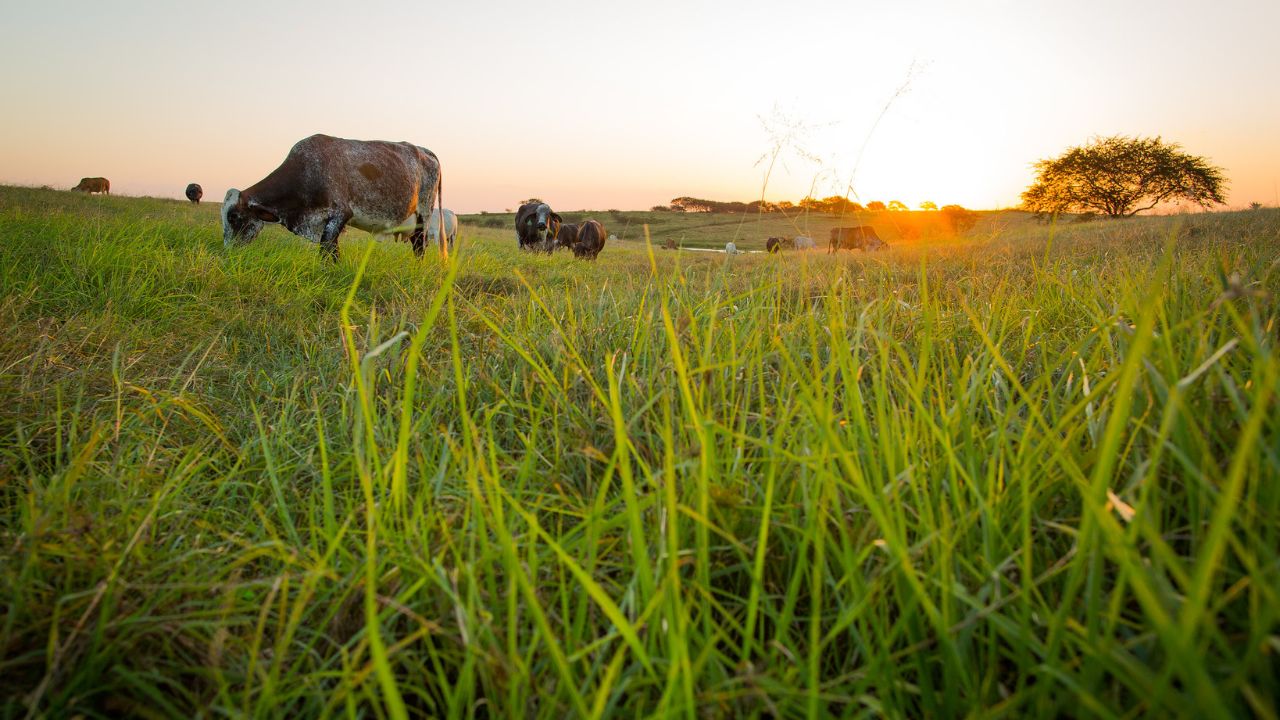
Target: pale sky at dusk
[(602, 105)]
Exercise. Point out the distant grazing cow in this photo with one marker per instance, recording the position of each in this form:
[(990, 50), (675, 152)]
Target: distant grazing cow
[(730, 248), (670, 244), (567, 235), (326, 183), (590, 240), (537, 227), (862, 237), (94, 185), (194, 193), (805, 243), (450, 227), (433, 229)]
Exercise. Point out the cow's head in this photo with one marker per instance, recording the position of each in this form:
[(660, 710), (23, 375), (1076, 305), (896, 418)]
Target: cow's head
[(242, 219), (540, 227), (875, 243)]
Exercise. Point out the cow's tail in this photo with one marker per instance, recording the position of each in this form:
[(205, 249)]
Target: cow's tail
[(444, 237), (440, 224)]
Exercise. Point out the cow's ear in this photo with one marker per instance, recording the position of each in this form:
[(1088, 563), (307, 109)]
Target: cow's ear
[(262, 213), (556, 217)]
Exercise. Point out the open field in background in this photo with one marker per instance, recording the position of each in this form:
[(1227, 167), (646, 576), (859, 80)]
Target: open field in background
[(1030, 473), (749, 231)]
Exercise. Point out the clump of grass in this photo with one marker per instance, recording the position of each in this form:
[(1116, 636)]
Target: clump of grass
[(1031, 474)]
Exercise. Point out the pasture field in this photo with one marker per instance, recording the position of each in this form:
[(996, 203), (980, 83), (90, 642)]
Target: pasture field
[(1027, 472), (749, 231)]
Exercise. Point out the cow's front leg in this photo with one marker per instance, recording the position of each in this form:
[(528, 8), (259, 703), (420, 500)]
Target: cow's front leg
[(329, 237)]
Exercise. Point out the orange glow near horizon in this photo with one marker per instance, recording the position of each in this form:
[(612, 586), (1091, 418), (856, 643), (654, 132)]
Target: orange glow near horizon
[(906, 101)]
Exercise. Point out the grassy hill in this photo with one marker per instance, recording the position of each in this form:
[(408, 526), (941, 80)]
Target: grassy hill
[(1024, 472)]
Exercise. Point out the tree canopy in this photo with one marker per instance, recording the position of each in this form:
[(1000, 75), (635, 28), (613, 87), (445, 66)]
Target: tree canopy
[(1121, 176)]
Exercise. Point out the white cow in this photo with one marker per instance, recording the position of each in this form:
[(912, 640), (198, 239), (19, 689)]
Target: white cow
[(450, 227), (805, 243), (433, 228), (730, 249)]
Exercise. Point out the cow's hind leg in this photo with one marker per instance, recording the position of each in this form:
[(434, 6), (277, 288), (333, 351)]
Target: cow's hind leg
[(419, 236)]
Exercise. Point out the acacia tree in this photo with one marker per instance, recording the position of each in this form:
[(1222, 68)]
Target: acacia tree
[(1115, 175)]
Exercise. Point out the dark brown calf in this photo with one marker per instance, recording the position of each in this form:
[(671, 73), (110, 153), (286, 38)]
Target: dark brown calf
[(567, 235), (194, 193), (591, 237)]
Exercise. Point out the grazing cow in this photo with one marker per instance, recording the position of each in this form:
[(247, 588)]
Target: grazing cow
[(433, 228), (567, 235), (590, 240), (777, 244), (537, 227), (862, 237), (194, 193), (730, 248), (805, 243), (670, 244), (450, 227), (326, 183), (94, 185)]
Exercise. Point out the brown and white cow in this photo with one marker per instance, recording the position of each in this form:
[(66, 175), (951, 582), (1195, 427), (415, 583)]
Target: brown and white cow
[(326, 183), (861, 237), (590, 240), (94, 185)]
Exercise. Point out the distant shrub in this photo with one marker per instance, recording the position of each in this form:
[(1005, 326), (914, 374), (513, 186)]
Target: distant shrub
[(659, 208), (958, 219), (1255, 206), (1085, 217), (877, 206)]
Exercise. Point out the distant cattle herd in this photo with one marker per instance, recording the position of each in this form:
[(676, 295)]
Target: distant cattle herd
[(326, 183)]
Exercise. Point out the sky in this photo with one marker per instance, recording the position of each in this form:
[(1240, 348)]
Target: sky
[(626, 105)]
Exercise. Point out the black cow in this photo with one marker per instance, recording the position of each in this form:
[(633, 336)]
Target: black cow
[(774, 244), (591, 237), (194, 193), (567, 235), (94, 185), (861, 237), (326, 183), (537, 227)]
